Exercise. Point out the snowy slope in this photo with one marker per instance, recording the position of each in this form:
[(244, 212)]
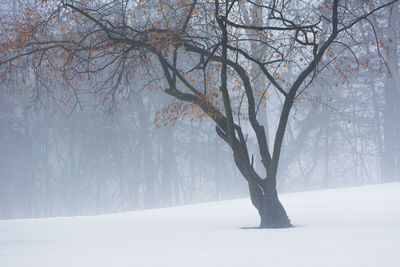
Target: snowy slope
[(354, 227)]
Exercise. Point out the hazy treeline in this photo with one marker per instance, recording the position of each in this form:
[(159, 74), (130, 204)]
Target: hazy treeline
[(92, 161), (52, 165)]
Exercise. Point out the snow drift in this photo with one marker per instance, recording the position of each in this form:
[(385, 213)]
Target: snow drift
[(357, 226)]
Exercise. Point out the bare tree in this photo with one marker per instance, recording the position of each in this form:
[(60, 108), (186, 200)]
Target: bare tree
[(81, 47)]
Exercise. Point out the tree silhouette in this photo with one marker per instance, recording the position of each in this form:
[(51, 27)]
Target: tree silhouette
[(201, 49)]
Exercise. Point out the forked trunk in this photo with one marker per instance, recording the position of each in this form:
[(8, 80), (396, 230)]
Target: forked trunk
[(270, 209)]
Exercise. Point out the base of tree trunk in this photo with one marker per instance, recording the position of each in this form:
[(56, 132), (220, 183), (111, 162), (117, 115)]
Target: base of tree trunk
[(273, 215)]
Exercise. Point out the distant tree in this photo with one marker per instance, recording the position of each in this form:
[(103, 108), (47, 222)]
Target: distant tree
[(204, 51), (390, 168)]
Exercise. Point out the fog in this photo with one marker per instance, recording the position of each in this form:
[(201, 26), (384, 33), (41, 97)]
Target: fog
[(56, 165), (67, 152)]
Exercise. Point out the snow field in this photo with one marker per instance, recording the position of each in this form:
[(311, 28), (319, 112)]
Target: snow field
[(357, 226)]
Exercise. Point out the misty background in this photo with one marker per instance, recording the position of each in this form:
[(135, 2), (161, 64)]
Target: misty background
[(88, 159)]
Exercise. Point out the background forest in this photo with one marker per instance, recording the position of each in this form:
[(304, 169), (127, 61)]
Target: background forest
[(87, 159)]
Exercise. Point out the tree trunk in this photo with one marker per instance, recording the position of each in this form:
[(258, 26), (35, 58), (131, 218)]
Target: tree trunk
[(265, 199), (392, 98), (272, 212), (273, 215), (148, 163), (389, 156)]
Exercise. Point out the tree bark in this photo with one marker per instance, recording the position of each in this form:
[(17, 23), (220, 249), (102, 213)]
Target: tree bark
[(272, 214), (265, 199)]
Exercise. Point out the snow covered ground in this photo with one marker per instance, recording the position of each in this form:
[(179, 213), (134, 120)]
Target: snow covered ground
[(354, 227)]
